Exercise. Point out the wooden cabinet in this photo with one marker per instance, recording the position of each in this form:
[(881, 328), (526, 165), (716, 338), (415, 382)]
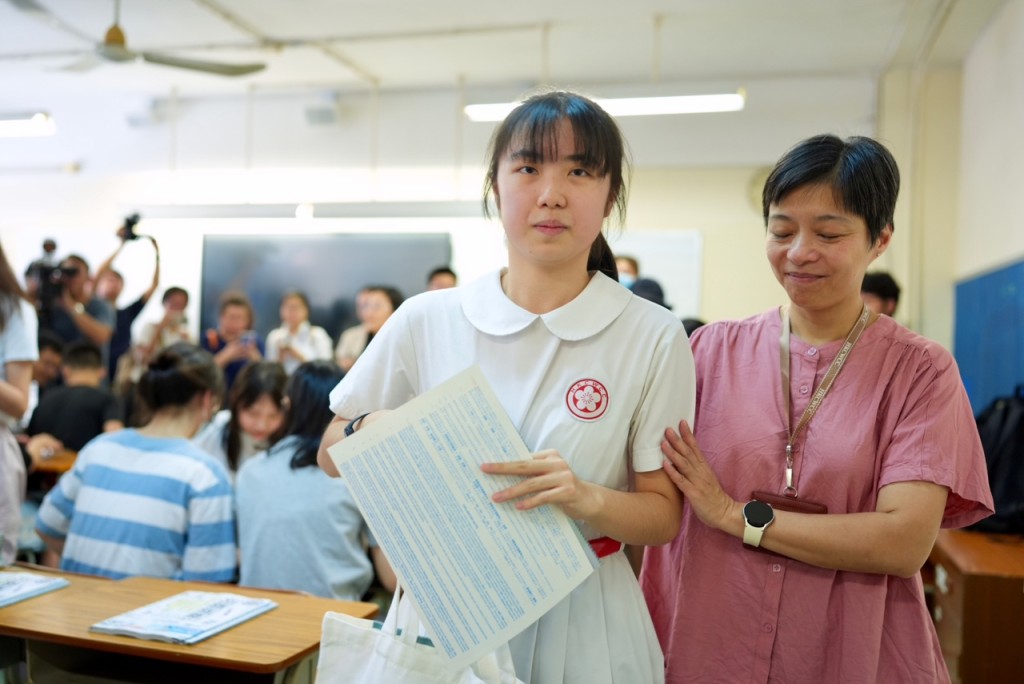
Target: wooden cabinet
[(979, 605)]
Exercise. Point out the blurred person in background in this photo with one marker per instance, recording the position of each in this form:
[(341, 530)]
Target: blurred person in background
[(374, 305), (297, 341)]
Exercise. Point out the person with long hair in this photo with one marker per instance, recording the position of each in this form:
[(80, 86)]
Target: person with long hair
[(18, 352), (285, 539), (254, 417), (547, 332), (147, 501)]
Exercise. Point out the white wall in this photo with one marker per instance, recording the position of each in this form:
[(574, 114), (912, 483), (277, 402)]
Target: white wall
[(991, 217)]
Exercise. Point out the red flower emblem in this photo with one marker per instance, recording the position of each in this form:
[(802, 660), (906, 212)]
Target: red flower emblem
[(587, 399)]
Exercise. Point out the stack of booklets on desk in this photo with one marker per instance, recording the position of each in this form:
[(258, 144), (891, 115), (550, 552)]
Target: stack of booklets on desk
[(185, 618), (18, 586)]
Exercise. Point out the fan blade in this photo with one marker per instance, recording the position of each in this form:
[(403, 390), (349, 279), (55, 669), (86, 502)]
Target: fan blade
[(84, 63), (33, 8), (200, 65), (115, 52)]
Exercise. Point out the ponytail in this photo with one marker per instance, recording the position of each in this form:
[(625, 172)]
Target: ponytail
[(602, 259)]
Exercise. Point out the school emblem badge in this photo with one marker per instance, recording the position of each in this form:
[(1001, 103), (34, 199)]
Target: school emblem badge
[(587, 399)]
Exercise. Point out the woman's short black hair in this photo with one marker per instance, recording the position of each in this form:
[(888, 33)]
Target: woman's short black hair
[(309, 411), (392, 293), (861, 172)]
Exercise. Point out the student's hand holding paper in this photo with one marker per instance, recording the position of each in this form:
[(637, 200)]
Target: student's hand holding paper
[(549, 480)]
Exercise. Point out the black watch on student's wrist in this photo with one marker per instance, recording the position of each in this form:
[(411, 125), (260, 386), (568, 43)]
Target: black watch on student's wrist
[(353, 424), (757, 516)]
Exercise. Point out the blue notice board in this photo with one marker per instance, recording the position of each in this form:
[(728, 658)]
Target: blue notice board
[(988, 339)]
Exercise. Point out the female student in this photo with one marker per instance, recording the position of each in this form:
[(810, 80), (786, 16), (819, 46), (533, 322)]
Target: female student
[(297, 341), (833, 444), (147, 501), (547, 333), (253, 419), (285, 540), (18, 351)]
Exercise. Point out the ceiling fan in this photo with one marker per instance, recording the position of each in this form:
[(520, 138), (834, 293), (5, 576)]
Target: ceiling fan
[(114, 48)]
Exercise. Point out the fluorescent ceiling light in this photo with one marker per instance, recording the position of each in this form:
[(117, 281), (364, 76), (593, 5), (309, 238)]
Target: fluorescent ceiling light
[(31, 125), (632, 106)]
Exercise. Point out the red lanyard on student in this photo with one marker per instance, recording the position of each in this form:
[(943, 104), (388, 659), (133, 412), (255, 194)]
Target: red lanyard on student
[(823, 388)]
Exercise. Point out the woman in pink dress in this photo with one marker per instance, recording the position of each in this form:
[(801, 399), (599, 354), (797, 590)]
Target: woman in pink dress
[(829, 446)]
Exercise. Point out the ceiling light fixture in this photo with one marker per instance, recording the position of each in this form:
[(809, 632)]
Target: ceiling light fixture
[(26, 125), (632, 106)]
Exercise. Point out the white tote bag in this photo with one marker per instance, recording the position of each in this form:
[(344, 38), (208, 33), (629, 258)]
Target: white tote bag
[(357, 651)]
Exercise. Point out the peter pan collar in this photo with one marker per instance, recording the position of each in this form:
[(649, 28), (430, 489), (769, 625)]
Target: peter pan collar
[(491, 312)]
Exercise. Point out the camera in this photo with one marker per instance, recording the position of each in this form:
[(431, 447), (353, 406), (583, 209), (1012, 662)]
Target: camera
[(52, 280), (128, 231)]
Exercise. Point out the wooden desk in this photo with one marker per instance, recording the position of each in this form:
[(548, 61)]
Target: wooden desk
[(60, 462), (979, 602), (55, 627)]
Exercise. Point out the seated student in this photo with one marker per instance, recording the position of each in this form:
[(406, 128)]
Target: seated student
[(146, 501), (286, 539), (253, 419), (233, 343), (374, 305), (81, 408), (297, 340)]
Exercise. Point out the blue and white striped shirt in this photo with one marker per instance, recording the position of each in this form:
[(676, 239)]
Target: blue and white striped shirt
[(138, 505)]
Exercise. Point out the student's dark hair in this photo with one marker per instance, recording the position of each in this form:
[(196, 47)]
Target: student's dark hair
[(533, 127), (394, 296), (50, 340), (177, 375), (309, 410), (860, 171), (256, 379), (82, 355), (174, 290), (10, 290), (882, 285), (237, 298), (296, 294)]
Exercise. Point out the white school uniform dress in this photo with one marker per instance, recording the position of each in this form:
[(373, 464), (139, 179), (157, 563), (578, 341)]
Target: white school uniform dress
[(311, 341), (598, 379)]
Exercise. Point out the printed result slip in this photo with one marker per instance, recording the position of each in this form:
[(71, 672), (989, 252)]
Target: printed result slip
[(477, 572)]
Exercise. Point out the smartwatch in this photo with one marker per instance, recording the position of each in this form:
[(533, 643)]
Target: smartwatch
[(757, 516)]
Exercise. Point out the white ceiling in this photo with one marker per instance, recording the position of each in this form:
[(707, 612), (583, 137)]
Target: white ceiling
[(400, 44)]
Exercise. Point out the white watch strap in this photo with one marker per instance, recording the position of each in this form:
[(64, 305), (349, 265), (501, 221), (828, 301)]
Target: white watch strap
[(752, 535)]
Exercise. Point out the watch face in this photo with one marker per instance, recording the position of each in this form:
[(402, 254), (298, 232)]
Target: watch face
[(758, 513)]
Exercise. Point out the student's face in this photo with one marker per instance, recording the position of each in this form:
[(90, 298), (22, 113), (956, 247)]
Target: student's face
[(625, 268), (441, 281), (234, 321), (109, 287), (47, 368), (176, 302), (374, 309), (877, 304), (552, 209), (261, 419), (819, 252), (293, 312)]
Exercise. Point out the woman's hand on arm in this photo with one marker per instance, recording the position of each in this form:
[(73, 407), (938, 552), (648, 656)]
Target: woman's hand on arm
[(647, 516), (894, 539)]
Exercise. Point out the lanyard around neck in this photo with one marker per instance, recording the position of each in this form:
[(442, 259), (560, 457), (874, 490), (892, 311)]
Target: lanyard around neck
[(823, 388)]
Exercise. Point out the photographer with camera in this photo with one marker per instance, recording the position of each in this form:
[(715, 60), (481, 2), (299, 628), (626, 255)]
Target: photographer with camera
[(110, 284), (68, 309)]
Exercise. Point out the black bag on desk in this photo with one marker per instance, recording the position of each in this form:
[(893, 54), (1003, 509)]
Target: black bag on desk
[(1001, 427)]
